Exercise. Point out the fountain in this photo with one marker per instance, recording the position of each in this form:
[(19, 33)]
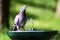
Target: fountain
[(32, 35)]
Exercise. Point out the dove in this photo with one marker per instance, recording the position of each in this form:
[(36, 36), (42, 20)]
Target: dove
[(20, 19)]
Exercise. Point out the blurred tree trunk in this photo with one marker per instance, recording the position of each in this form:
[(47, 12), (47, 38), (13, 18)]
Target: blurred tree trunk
[(58, 8), (5, 13), (0, 15)]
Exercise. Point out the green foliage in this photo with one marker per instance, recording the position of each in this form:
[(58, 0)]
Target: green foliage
[(42, 12)]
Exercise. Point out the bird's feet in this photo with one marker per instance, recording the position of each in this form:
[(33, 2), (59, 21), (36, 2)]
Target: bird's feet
[(16, 28)]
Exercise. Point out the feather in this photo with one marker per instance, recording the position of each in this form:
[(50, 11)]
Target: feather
[(20, 19)]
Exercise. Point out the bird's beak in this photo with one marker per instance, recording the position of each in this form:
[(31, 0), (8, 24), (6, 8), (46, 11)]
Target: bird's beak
[(25, 7)]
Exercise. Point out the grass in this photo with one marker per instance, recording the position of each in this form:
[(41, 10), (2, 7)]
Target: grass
[(4, 37), (42, 12)]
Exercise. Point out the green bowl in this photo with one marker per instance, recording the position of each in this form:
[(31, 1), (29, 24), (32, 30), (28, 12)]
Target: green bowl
[(32, 35)]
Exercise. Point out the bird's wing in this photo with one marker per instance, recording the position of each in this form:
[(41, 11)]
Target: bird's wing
[(16, 19), (20, 20)]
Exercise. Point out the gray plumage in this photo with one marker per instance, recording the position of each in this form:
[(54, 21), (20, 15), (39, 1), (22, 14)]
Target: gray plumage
[(20, 19)]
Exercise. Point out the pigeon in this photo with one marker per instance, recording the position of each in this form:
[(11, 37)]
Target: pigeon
[(20, 19)]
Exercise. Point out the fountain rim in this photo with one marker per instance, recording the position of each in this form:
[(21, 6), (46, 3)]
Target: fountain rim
[(33, 31)]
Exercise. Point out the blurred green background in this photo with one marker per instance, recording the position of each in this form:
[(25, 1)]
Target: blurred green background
[(41, 11)]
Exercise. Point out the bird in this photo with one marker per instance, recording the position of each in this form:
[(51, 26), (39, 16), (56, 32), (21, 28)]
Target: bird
[(20, 19)]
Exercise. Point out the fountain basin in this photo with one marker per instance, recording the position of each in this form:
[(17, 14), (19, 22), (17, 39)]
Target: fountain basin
[(32, 35)]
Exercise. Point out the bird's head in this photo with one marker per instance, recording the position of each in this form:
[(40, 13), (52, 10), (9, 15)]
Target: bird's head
[(23, 9), (22, 12)]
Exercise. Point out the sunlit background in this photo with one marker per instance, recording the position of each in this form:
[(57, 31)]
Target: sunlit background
[(43, 13)]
